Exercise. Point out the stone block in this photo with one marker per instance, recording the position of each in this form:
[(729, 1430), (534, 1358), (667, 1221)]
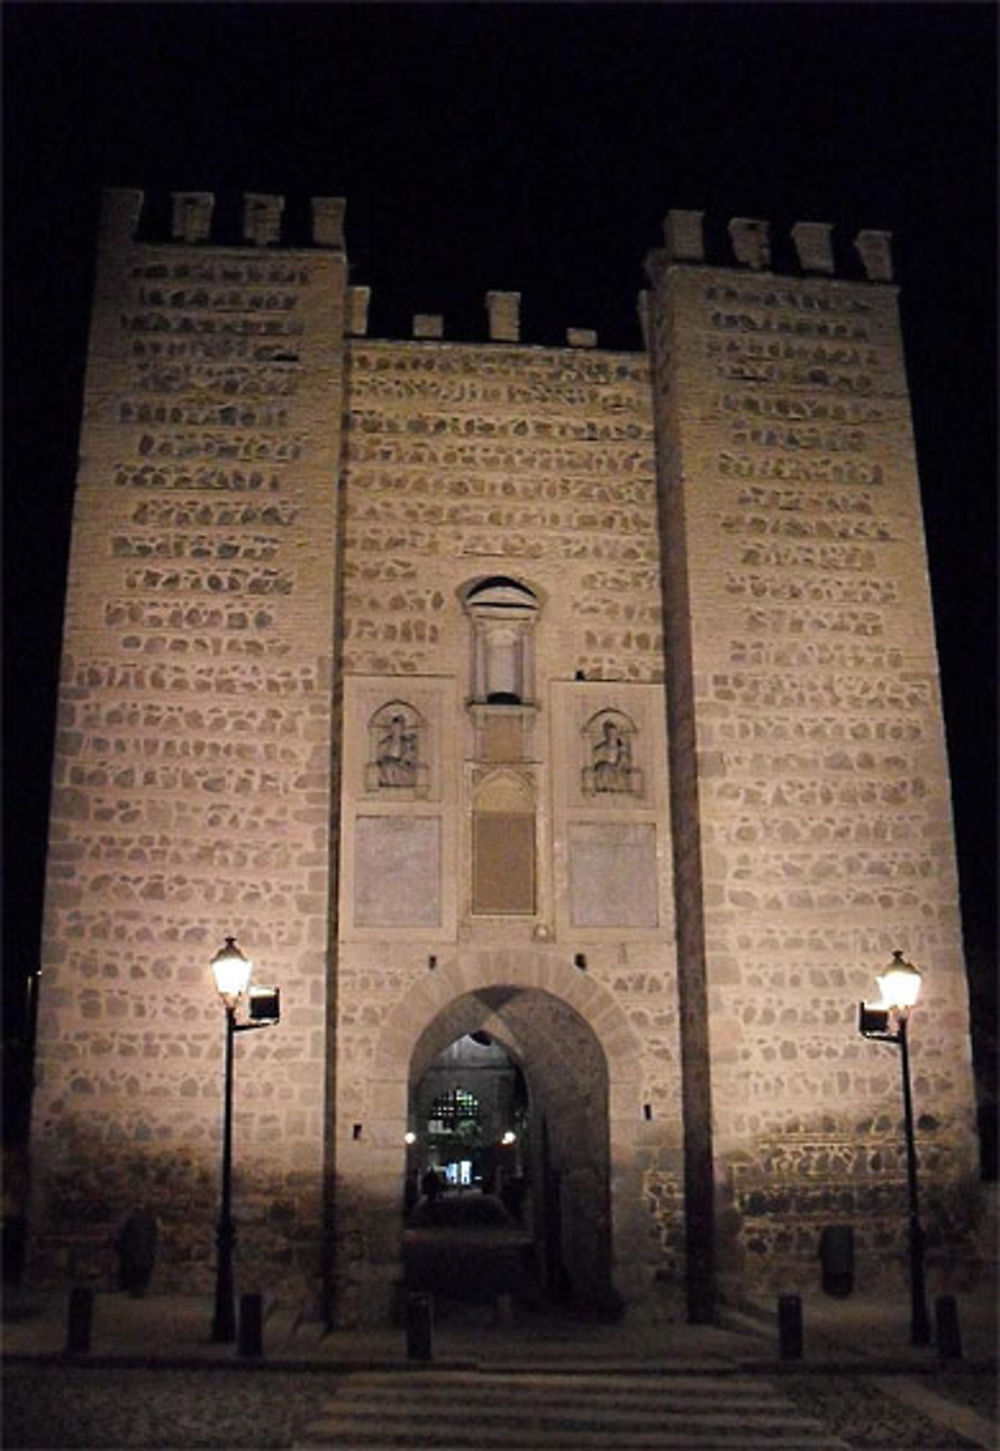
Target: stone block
[(751, 243), (328, 221), (682, 232), (813, 245), (875, 250), (262, 218), (191, 215), (504, 310), (428, 325), (359, 299)]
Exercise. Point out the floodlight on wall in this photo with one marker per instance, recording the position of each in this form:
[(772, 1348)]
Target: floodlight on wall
[(264, 1005)]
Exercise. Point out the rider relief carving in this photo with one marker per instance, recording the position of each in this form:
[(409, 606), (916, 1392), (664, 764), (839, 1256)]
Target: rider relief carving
[(396, 746), (609, 745)]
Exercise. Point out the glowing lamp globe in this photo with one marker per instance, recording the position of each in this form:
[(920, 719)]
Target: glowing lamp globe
[(900, 983), (231, 970)]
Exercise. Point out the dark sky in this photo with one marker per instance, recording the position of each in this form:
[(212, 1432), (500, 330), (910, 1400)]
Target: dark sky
[(509, 146)]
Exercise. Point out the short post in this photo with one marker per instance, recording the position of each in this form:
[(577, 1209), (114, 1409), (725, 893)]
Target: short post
[(250, 1343), (419, 1327), (949, 1334), (504, 1313), (790, 1327), (81, 1320)]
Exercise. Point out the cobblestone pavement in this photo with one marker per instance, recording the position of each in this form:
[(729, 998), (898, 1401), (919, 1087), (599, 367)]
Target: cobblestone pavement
[(57, 1406), (54, 1405), (870, 1419), (976, 1391)]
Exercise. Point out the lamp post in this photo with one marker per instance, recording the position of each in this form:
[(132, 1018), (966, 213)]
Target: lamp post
[(231, 970), (887, 1022)]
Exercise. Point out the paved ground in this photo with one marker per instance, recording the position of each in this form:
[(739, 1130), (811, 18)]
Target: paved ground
[(551, 1410), (153, 1379), (54, 1404)]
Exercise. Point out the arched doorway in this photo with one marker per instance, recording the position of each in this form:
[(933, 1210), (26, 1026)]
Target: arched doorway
[(508, 1101)]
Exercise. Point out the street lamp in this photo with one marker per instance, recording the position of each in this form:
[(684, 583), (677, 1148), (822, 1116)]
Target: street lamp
[(231, 970), (886, 1021)]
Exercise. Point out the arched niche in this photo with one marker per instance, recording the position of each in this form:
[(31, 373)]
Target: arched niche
[(502, 612)]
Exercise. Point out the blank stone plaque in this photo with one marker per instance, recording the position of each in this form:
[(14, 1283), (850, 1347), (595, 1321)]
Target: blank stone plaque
[(503, 863), (612, 874), (397, 871)]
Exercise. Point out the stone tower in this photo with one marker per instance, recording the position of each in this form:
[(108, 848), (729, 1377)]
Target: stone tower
[(540, 710)]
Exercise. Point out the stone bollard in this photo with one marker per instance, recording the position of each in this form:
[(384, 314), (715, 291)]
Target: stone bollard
[(836, 1253), (790, 1327), (949, 1334), (136, 1247), (250, 1342), (419, 1326), (80, 1322)]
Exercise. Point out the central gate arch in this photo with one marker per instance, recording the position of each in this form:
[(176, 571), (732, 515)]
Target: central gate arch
[(580, 1059), (567, 1077)]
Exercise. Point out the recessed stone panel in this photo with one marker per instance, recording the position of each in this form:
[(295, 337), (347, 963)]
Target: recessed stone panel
[(612, 874), (397, 871)]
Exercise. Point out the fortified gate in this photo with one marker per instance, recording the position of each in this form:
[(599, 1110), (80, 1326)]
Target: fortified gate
[(558, 727)]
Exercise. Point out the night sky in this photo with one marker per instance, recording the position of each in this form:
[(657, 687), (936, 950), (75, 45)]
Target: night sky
[(533, 148)]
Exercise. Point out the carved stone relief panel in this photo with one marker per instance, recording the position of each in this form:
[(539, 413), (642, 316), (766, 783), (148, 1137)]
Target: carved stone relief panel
[(609, 752), (397, 746), (611, 831), (399, 807)]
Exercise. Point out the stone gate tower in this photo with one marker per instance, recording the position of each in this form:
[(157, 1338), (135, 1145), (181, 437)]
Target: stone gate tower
[(571, 708)]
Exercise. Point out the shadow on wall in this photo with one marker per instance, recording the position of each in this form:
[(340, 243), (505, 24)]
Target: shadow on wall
[(135, 1220), (780, 1199)]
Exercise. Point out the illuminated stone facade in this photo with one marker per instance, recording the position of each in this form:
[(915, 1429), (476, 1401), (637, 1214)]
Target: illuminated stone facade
[(583, 699)]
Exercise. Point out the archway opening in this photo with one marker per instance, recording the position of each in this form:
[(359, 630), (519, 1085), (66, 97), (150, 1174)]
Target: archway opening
[(508, 1178), (470, 1123)]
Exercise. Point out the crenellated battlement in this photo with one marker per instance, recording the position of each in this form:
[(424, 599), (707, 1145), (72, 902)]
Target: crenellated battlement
[(193, 218), (262, 221), (749, 242)]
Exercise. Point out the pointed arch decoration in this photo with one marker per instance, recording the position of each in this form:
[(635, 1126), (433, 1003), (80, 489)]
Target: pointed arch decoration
[(503, 844)]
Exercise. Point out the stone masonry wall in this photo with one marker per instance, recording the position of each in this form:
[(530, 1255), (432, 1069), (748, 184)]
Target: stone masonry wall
[(192, 773), (466, 461), (277, 542), (818, 762)]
